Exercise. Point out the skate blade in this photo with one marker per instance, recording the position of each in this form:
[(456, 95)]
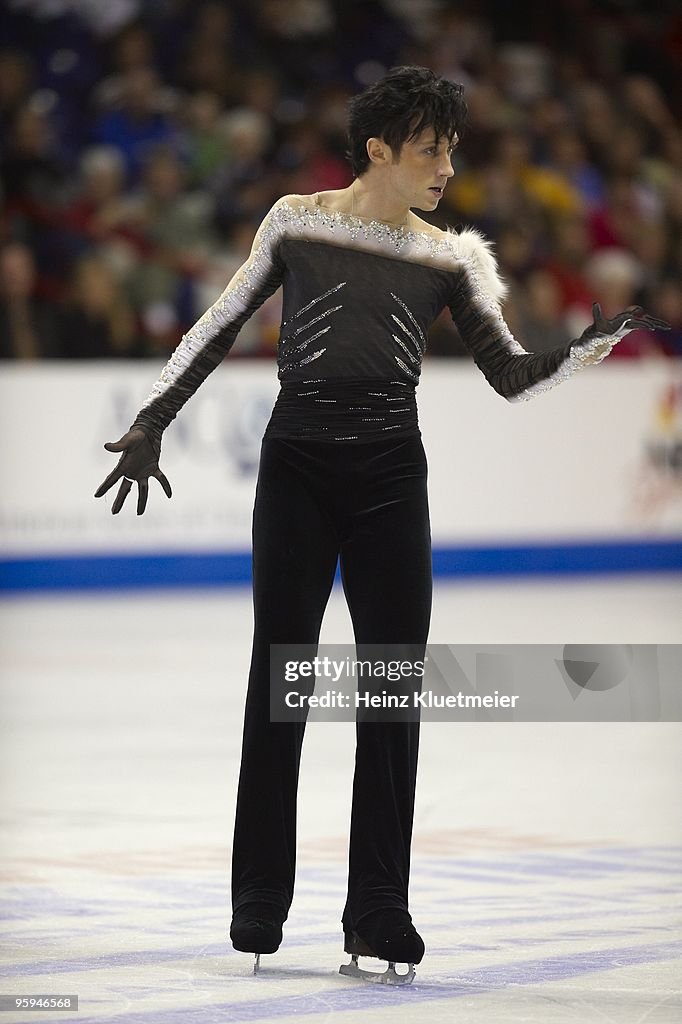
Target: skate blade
[(256, 964), (388, 977)]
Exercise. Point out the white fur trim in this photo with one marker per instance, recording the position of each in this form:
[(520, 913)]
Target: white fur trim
[(471, 244)]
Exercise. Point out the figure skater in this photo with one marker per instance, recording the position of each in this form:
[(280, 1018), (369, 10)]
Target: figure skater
[(342, 474)]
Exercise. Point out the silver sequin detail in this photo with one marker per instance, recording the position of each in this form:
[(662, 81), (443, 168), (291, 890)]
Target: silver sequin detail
[(304, 344), (421, 244), (315, 355), (421, 344), (379, 410), (416, 337), (403, 366), (405, 349), (582, 354), (304, 327), (318, 298), (288, 357), (407, 331)]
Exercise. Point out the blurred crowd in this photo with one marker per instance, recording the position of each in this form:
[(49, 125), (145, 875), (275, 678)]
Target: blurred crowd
[(142, 141)]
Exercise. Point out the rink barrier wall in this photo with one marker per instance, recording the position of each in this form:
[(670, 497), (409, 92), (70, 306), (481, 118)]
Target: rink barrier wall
[(191, 569), (585, 479)]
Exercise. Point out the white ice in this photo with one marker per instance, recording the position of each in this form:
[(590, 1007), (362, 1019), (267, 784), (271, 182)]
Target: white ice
[(546, 857)]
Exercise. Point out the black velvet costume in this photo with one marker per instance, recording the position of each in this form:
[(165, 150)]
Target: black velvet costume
[(343, 475)]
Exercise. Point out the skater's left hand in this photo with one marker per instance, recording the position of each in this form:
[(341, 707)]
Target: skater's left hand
[(632, 319)]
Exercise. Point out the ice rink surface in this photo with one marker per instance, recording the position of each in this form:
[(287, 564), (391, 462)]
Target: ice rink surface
[(546, 857)]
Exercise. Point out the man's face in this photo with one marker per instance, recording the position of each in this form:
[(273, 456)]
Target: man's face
[(420, 175)]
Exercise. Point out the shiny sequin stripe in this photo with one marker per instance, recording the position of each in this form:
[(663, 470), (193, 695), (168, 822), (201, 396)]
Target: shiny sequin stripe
[(304, 344), (309, 359), (414, 359), (582, 354), (421, 344), (286, 358), (304, 327), (312, 302), (405, 368), (405, 349), (285, 367)]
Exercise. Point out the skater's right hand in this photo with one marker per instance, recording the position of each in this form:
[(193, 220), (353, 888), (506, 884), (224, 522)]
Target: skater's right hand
[(139, 461)]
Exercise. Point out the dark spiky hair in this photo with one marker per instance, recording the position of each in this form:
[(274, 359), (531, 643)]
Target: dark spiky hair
[(400, 106)]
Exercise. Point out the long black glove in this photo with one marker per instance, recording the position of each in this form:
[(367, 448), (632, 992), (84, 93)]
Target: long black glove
[(610, 331), (139, 461)]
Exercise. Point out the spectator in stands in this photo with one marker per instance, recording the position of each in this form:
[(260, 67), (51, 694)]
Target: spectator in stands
[(619, 219), (564, 156), (569, 251), (139, 124), (205, 140), (244, 186), (174, 235), (615, 277), (568, 157), (30, 168), (542, 184), (97, 321), (541, 324), (259, 335), (209, 62), (668, 298), (26, 322), (16, 80), (99, 207)]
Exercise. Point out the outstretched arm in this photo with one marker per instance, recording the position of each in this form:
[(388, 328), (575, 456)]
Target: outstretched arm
[(518, 375), (203, 347)]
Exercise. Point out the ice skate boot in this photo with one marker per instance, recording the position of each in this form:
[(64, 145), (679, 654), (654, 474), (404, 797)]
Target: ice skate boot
[(386, 935), (256, 928)]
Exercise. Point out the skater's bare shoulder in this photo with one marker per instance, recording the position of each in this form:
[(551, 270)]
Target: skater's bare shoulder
[(418, 224), (293, 199)]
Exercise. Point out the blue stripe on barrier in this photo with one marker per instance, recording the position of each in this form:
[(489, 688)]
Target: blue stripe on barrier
[(560, 559), (109, 572)]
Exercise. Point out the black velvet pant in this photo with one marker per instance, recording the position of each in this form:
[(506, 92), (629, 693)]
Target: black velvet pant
[(316, 502)]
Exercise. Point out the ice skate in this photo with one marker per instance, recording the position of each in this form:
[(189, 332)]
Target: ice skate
[(393, 938), (256, 928), (354, 945)]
